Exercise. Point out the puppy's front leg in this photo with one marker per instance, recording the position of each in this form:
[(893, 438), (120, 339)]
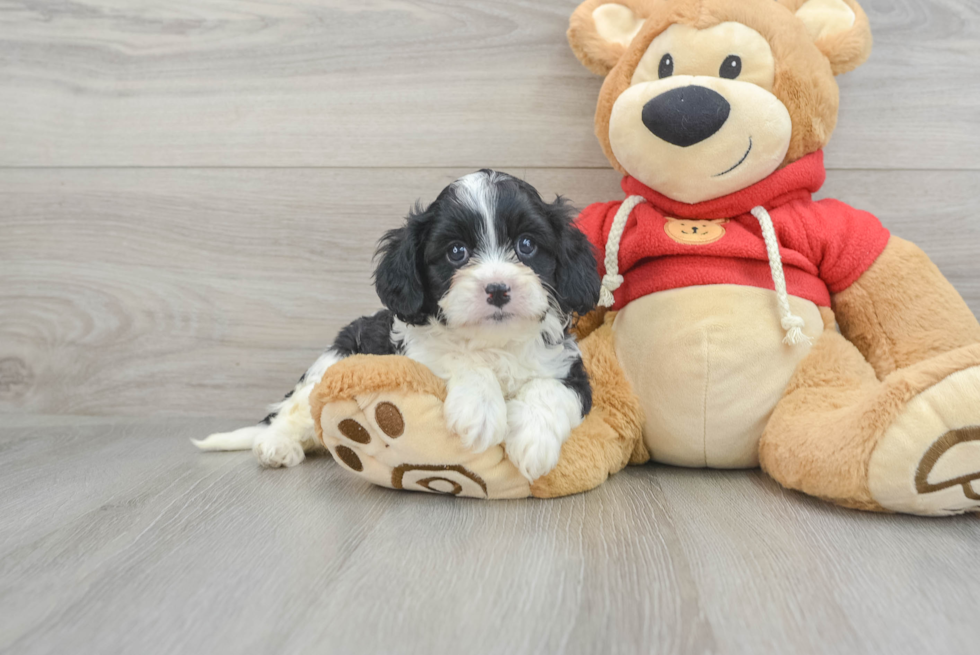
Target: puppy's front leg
[(475, 408), (539, 421)]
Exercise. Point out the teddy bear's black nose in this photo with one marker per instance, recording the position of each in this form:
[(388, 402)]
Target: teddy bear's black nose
[(686, 115)]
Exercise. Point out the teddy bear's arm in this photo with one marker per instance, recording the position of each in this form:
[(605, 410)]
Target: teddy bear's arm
[(902, 310)]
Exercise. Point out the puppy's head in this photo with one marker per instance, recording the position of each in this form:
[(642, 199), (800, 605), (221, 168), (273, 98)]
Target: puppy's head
[(489, 253)]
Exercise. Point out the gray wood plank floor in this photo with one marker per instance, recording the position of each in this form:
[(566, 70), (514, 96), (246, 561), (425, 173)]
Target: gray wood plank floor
[(190, 192), (118, 538)]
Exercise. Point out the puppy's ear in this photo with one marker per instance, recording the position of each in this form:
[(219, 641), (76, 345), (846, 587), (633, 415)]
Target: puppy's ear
[(577, 283), (399, 278)]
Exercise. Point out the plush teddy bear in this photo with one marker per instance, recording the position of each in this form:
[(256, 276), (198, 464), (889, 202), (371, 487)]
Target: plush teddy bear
[(744, 323)]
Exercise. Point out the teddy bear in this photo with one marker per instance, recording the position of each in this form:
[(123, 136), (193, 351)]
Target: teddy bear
[(742, 323)]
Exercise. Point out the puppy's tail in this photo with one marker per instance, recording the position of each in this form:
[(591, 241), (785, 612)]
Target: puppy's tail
[(290, 416), (238, 440)]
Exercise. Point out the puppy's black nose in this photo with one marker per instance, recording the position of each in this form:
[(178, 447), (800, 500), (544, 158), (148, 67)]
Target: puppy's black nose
[(686, 115), (498, 294)]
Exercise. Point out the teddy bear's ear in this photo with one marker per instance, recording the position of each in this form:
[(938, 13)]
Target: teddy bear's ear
[(600, 31), (839, 28)]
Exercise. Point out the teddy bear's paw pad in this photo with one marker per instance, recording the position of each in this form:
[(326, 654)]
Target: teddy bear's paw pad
[(349, 458), (400, 440), (454, 480), (389, 419), (928, 461)]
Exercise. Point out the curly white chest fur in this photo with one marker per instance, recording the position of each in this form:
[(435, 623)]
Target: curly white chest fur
[(529, 351)]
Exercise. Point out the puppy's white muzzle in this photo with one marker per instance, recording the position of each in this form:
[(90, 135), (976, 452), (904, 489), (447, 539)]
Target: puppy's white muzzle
[(494, 292)]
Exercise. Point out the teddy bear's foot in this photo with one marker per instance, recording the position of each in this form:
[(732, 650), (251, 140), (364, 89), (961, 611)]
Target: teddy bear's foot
[(928, 460), (382, 419), (401, 442)]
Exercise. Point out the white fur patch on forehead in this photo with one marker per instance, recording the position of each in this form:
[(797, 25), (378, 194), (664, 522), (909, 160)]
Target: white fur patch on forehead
[(494, 255), (478, 191)]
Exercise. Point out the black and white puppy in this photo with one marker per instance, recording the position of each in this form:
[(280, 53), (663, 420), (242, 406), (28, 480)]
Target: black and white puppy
[(479, 287)]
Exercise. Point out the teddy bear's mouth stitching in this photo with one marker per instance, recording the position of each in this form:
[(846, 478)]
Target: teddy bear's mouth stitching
[(740, 161)]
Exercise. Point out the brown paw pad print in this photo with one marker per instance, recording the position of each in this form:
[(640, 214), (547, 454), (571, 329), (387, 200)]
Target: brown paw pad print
[(350, 458), (449, 479), (354, 431), (389, 419), (363, 437), (932, 457)]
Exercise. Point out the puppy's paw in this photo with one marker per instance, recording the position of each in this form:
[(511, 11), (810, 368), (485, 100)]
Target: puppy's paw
[(275, 450), (477, 415), (539, 421), (533, 444)]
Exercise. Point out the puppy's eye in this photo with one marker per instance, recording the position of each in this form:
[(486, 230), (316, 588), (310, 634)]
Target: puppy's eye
[(526, 246), (731, 67), (458, 253), (666, 68)]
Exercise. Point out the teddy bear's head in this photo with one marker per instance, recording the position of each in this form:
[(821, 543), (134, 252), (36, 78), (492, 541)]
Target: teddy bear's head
[(703, 98)]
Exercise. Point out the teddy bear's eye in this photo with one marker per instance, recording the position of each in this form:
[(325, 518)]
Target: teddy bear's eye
[(666, 66), (731, 67)]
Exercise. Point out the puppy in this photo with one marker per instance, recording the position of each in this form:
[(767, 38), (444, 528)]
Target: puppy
[(479, 287)]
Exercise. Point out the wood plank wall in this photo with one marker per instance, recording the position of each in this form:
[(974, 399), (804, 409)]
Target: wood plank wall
[(190, 191)]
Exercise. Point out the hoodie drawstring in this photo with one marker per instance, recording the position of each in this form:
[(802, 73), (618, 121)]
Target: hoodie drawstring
[(612, 279), (791, 323)]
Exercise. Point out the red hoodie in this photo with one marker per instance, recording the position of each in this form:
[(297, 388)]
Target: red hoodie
[(825, 245)]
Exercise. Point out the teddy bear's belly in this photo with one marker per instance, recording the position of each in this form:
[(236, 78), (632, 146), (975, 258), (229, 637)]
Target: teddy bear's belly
[(709, 365)]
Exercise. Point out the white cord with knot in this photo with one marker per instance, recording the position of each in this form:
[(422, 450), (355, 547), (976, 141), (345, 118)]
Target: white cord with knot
[(792, 324), (612, 279)]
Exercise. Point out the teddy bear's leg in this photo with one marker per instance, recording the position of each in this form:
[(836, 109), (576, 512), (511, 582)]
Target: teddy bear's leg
[(382, 419), (904, 314), (610, 437), (908, 442)]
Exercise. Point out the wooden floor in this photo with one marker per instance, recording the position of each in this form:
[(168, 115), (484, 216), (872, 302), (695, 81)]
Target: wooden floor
[(190, 192), (118, 538)]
